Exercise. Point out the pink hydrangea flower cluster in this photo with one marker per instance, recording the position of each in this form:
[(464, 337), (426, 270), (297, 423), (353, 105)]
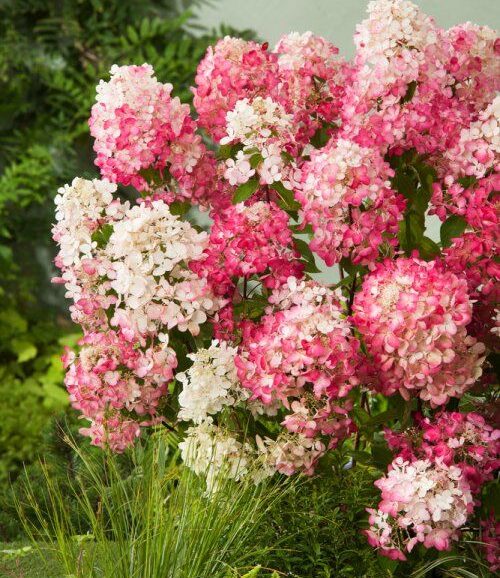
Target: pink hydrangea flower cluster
[(232, 70), (456, 454), (312, 81), (422, 502), (346, 196), (461, 439), (413, 315), (303, 355), (137, 125), (248, 240)]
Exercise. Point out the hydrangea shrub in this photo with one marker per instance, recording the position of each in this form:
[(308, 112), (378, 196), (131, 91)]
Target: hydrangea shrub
[(228, 336)]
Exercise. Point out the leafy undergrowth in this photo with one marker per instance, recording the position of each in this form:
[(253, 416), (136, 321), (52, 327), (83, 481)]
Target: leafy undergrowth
[(20, 560)]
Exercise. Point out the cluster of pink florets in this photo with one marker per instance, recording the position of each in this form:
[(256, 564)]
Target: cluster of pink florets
[(413, 317), (434, 483), (422, 502), (137, 125), (461, 439), (246, 241), (302, 356), (346, 196), (309, 155)]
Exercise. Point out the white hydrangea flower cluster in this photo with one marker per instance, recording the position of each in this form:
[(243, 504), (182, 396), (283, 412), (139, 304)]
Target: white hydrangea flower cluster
[(296, 50), (210, 451), (210, 384), (80, 209), (150, 249), (392, 27), (262, 126), (253, 122)]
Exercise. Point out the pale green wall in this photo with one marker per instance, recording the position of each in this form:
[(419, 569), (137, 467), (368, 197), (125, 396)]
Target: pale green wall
[(333, 19)]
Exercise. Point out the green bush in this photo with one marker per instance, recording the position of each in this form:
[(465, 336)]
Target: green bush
[(51, 57)]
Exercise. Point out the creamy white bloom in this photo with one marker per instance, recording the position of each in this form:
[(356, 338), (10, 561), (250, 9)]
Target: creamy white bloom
[(253, 122), (210, 451), (210, 384), (150, 250), (80, 207)]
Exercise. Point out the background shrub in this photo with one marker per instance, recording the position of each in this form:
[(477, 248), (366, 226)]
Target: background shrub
[(52, 55)]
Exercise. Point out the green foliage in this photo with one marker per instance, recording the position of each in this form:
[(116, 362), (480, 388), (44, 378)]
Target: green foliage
[(413, 179), (52, 55), (453, 227), (318, 527), (245, 191), (155, 521), (30, 387), (63, 464)]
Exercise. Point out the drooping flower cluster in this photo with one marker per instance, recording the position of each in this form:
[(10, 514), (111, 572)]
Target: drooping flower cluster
[(413, 317), (214, 453), (456, 454), (461, 439), (478, 149), (346, 197), (265, 130), (351, 156), (422, 502)]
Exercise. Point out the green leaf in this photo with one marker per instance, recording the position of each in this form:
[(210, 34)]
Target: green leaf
[(428, 249), (307, 254), (55, 396), (381, 454), (225, 151), (255, 160), (453, 227), (302, 230), (286, 198), (253, 573), (102, 235), (245, 191), (320, 138), (404, 184), (361, 456), (410, 92), (25, 350), (179, 208)]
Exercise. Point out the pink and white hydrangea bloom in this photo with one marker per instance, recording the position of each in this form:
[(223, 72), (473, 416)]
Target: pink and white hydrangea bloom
[(413, 315), (422, 502)]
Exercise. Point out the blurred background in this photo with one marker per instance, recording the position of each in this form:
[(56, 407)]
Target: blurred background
[(52, 54)]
